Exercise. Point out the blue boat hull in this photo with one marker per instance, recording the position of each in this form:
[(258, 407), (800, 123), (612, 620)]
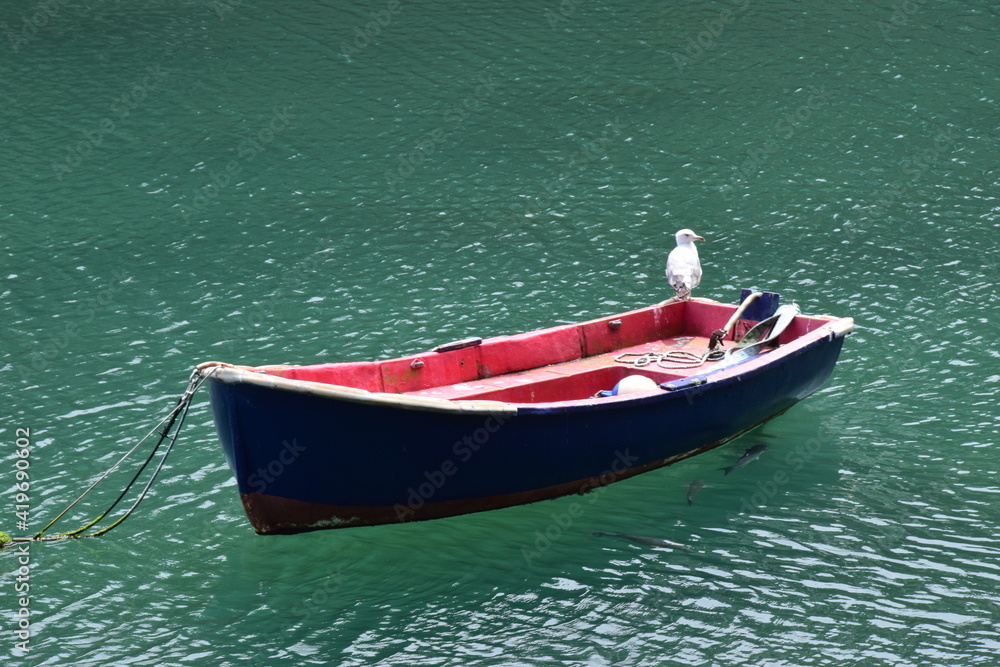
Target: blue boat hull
[(306, 461)]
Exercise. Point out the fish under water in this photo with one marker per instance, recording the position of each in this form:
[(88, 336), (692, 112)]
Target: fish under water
[(648, 541), (694, 488), (748, 456)]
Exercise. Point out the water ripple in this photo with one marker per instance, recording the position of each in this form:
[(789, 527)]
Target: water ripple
[(385, 219)]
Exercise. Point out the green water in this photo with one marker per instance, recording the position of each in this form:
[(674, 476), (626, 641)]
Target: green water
[(296, 182)]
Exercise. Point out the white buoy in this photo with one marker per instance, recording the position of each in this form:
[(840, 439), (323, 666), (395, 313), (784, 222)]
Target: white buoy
[(634, 384)]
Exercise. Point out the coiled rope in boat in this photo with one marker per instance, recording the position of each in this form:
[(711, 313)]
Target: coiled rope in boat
[(673, 359), (168, 430)]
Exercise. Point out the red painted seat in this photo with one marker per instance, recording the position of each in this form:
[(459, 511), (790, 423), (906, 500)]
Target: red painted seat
[(510, 354)]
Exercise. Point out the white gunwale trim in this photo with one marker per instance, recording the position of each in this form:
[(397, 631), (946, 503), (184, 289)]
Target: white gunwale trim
[(842, 327), (237, 375), (230, 374)]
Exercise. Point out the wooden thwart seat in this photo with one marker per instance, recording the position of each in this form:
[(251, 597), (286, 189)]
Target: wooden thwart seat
[(573, 379)]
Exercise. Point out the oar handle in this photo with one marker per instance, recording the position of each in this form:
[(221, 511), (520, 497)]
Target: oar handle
[(739, 311), (719, 335)]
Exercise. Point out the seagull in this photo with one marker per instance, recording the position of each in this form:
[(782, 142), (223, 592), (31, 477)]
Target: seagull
[(683, 267)]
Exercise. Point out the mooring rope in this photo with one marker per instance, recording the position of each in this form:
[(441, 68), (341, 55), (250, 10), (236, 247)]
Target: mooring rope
[(165, 429)]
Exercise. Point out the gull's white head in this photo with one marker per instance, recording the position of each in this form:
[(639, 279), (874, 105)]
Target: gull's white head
[(686, 237)]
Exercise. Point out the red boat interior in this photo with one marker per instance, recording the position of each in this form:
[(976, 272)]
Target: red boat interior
[(563, 363)]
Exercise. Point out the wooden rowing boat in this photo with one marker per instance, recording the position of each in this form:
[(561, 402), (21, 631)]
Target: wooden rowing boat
[(484, 424)]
